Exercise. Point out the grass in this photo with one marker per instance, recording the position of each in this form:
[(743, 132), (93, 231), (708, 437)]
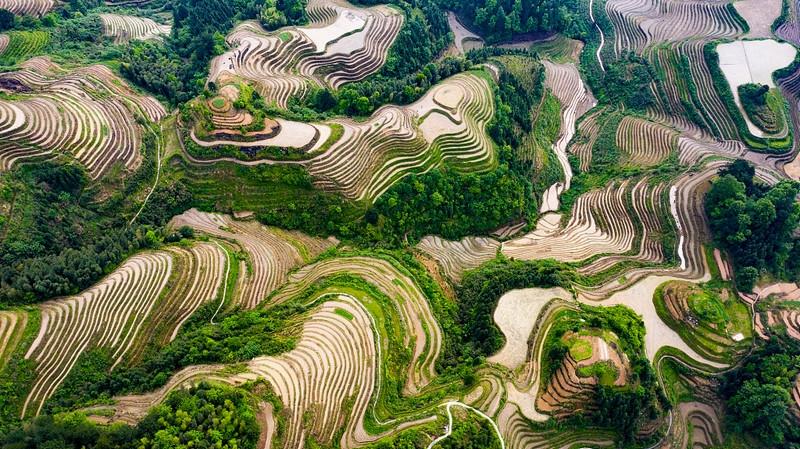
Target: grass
[(218, 103), (344, 313), (605, 372), (674, 386), (708, 307), (580, 349), (23, 44)]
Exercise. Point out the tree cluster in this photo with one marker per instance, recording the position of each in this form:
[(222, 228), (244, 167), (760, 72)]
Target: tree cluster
[(203, 417), (758, 394), (755, 223), (58, 241), (501, 20), (447, 204)]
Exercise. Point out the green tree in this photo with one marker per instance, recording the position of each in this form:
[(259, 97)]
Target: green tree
[(761, 409)]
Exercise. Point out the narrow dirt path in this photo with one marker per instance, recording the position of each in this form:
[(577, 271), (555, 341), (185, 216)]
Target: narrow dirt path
[(224, 280), (159, 143), (602, 36), (449, 428)]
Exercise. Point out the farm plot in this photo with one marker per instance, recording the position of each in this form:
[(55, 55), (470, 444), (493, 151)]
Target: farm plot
[(196, 280), (745, 62), (123, 29), (571, 388), (715, 324), (516, 314), (447, 125), (456, 257), (789, 30), (759, 15), (645, 143), (28, 7), (565, 82), (422, 332), (641, 23), (19, 45), (12, 324), (690, 94), (602, 223), (325, 383), (109, 315), (88, 113), (465, 40), (231, 126), (342, 44), (270, 255)]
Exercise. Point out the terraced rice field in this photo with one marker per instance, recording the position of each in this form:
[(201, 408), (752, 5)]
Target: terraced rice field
[(641, 23), (421, 329), (446, 126), (343, 43), (88, 113), (109, 315), (745, 62), (565, 82), (12, 323), (28, 7), (123, 29), (18, 45), (271, 254), (645, 143), (314, 390)]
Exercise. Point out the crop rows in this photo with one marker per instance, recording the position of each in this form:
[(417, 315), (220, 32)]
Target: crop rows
[(18, 45), (109, 315), (126, 28), (270, 256), (450, 127), (325, 383), (196, 280), (644, 142), (89, 113), (641, 23), (789, 30), (519, 434), (28, 7), (12, 323), (333, 52), (565, 82), (600, 224), (456, 257), (703, 421), (786, 317), (422, 330)]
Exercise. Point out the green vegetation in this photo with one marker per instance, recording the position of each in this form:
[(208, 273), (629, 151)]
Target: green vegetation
[(579, 349), (605, 372), (56, 239), (205, 416), (448, 204), (755, 224), (22, 45), (767, 145), (708, 322), (621, 408), (238, 337), (759, 394), (499, 20), (764, 107), (480, 289), (708, 307)]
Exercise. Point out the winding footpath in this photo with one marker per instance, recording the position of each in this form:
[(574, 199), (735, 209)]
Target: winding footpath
[(602, 36), (158, 171), (449, 428)]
